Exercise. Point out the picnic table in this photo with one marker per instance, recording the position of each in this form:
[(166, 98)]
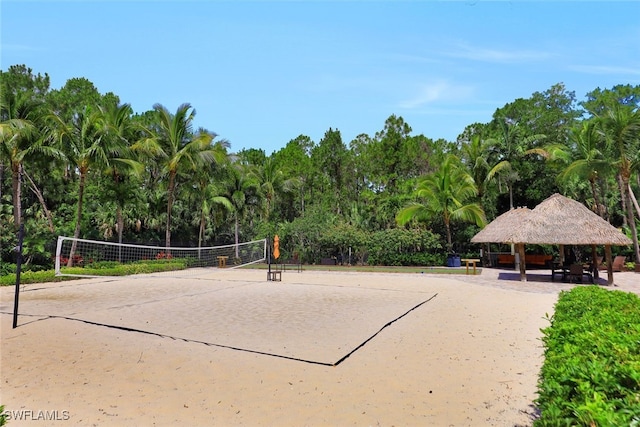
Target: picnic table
[(470, 261)]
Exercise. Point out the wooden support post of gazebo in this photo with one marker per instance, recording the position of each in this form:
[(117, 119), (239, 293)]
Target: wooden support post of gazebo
[(608, 259), (523, 263)]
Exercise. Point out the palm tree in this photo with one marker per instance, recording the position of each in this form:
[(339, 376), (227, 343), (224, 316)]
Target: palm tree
[(85, 146), (19, 136), (621, 125), (179, 149), (242, 192), (272, 182), (210, 194), (590, 160), (445, 193), (511, 145), (475, 154), (586, 158), (119, 128)]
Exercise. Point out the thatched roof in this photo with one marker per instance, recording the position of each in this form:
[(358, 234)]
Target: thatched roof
[(500, 229), (556, 221)]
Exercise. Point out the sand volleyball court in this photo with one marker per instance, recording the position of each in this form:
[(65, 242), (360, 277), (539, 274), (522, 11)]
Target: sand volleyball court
[(229, 348)]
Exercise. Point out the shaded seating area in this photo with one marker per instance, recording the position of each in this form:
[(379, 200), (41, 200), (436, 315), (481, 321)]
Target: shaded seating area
[(577, 272), (573, 272), (532, 260), (618, 263), (560, 221)]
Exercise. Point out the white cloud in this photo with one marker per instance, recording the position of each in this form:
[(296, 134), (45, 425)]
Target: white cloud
[(465, 51), (606, 69), (440, 91), (16, 47)]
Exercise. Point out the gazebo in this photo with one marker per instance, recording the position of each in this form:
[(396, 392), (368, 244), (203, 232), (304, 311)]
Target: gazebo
[(558, 220)]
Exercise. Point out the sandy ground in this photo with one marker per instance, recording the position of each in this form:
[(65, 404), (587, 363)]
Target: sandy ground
[(317, 349)]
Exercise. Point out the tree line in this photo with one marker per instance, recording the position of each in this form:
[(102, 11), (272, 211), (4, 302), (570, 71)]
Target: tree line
[(76, 162)]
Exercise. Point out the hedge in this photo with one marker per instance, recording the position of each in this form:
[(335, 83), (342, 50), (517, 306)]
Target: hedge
[(102, 269), (591, 372)]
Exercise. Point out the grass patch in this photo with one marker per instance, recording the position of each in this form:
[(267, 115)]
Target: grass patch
[(155, 266), (376, 269), (101, 269)]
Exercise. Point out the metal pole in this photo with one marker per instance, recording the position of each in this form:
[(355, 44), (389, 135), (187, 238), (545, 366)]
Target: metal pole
[(269, 259), (18, 269)]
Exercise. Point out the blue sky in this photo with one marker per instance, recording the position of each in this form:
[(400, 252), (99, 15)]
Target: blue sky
[(260, 73)]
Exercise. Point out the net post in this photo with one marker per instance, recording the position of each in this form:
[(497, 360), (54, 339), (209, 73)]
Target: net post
[(58, 253), (268, 251), (18, 270)]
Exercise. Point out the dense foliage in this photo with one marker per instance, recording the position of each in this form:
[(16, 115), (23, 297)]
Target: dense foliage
[(591, 372), (74, 161)]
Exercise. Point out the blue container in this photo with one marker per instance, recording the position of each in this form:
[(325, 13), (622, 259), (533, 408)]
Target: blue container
[(453, 261)]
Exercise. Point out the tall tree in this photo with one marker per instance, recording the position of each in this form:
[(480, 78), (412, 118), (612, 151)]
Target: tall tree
[(210, 192), (118, 126), (330, 159), (243, 193), (510, 144), (448, 193), (295, 161), (390, 151), (273, 182), (18, 133), (209, 195), (21, 99), (550, 113), (586, 158), (74, 96), (598, 101), (475, 154), (621, 125), (179, 149), (85, 145)]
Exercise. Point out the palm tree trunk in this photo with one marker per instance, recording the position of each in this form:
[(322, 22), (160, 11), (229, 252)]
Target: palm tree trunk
[(523, 262), (608, 258), (510, 186), (201, 231), (594, 192), (120, 225), (623, 198), (449, 243), (38, 194), (634, 200), (603, 197), (16, 178), (236, 233), (76, 233), (630, 216), (172, 176)]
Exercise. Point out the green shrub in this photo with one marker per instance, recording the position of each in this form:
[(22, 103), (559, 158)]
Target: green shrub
[(3, 416), (102, 269), (591, 372), (405, 247), (6, 268), (27, 277)]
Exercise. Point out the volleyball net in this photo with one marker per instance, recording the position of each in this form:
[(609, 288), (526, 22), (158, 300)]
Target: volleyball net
[(92, 258)]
